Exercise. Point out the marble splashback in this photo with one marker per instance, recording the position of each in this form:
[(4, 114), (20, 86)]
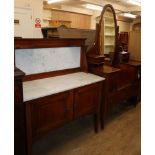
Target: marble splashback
[(33, 61)]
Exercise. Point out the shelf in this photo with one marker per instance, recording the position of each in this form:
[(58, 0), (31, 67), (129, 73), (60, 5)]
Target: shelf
[(110, 26), (109, 18), (47, 19), (57, 23), (108, 44), (110, 35)]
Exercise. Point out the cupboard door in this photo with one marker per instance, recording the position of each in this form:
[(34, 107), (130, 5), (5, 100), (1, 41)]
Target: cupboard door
[(87, 100), (50, 112)]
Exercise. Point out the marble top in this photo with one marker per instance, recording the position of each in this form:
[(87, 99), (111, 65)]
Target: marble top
[(43, 87)]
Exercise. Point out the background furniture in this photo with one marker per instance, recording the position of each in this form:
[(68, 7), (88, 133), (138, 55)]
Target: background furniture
[(72, 19), (65, 32), (50, 102), (123, 39), (57, 23), (134, 47)]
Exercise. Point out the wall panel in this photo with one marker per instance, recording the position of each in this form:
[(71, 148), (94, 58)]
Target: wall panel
[(77, 20)]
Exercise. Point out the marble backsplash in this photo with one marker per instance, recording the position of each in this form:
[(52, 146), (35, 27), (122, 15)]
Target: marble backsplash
[(33, 61)]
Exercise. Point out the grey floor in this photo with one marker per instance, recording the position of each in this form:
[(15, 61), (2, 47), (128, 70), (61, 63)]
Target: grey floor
[(121, 136)]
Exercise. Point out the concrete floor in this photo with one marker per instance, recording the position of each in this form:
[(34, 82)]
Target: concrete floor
[(121, 136)]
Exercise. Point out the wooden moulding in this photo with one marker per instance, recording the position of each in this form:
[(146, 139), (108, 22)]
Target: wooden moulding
[(18, 74), (47, 43), (50, 74)]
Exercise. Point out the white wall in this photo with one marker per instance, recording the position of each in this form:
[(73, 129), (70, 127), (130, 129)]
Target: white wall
[(37, 9), (76, 10), (46, 15), (24, 26), (137, 20), (23, 3), (123, 26), (38, 12), (93, 20)]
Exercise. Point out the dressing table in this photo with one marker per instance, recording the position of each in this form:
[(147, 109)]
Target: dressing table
[(104, 59)]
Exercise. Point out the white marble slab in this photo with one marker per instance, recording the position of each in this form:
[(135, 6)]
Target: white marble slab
[(48, 86), (33, 61)]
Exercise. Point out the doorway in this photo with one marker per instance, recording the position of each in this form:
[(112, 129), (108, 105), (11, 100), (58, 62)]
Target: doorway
[(23, 23)]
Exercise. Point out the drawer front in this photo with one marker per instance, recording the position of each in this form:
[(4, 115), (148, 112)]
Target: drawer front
[(50, 112), (111, 82), (117, 97), (87, 99)]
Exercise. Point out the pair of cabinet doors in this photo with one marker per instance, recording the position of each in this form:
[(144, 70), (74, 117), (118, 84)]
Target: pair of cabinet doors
[(52, 111)]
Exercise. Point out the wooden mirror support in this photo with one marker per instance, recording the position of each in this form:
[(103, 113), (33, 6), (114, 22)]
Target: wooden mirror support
[(97, 53)]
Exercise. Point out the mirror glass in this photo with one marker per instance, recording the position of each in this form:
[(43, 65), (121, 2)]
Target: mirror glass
[(107, 32)]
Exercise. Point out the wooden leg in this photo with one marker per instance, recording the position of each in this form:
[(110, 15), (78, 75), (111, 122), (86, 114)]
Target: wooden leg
[(133, 100), (96, 122), (102, 116), (102, 122), (29, 129), (103, 107), (136, 101)]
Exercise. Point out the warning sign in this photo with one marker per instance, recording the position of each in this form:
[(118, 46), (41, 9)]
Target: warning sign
[(37, 23)]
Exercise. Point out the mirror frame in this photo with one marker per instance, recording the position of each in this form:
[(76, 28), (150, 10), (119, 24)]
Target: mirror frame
[(94, 52), (115, 25)]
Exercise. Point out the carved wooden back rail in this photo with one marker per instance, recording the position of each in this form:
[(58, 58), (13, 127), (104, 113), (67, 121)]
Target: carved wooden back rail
[(64, 94)]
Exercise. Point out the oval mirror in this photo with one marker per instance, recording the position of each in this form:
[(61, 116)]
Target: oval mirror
[(107, 31)]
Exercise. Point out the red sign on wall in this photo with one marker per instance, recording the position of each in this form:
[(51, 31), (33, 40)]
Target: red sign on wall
[(37, 23)]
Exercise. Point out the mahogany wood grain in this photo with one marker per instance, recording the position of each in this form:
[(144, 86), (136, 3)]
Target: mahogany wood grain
[(19, 115), (85, 98), (95, 59), (46, 113), (83, 59), (53, 111), (49, 112), (122, 80), (87, 101), (51, 74), (47, 43)]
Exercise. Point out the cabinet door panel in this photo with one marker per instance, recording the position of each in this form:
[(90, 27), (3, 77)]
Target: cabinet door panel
[(50, 112), (87, 100)]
